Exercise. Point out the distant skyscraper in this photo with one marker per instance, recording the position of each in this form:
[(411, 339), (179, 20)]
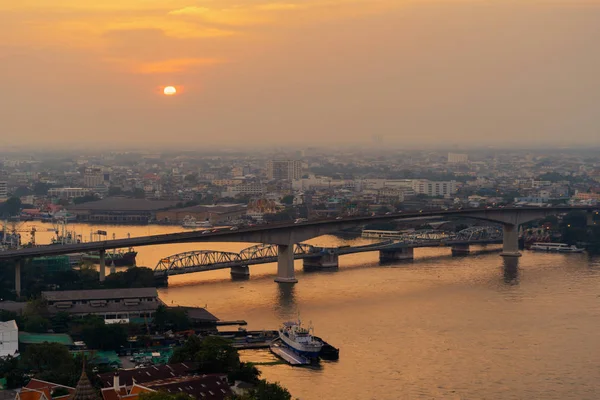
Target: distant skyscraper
[(284, 169), (457, 158)]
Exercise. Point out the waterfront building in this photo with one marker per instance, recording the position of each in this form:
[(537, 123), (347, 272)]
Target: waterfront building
[(216, 214), (120, 210), (131, 305), (284, 169)]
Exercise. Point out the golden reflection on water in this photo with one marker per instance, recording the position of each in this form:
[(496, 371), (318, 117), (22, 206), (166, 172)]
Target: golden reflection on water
[(440, 327)]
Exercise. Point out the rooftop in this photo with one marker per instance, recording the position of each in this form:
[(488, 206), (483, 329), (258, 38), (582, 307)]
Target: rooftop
[(213, 208), (99, 294), (36, 338), (124, 204), (8, 326), (149, 374)]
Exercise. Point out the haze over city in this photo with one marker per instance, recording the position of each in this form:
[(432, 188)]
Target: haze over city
[(414, 73)]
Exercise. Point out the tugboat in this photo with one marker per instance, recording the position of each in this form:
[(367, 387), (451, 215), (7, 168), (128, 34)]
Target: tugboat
[(299, 340)]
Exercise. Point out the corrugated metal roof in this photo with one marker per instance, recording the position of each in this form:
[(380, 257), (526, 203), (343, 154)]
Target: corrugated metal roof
[(100, 294)]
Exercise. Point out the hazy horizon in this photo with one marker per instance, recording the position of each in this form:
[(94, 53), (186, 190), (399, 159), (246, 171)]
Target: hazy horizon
[(419, 74)]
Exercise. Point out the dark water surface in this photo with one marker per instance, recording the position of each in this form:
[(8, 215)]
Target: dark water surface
[(438, 328)]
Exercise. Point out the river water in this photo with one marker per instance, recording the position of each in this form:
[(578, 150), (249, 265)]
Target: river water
[(438, 328)]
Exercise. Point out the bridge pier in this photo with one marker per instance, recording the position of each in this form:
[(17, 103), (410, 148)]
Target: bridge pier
[(102, 265), (285, 264), (461, 249), (18, 264), (324, 260), (510, 241), (240, 271), (400, 254)]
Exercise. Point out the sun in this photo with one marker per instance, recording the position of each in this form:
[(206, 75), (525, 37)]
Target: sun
[(169, 90)]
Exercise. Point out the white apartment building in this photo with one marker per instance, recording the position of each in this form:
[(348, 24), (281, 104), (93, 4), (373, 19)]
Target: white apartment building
[(434, 188), (284, 169), (253, 188), (68, 193)]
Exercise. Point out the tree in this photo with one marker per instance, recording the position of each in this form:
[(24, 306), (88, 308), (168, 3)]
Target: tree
[(21, 191), (11, 369), (100, 336), (288, 200), (164, 396), (60, 322), (213, 353), (217, 355), (36, 324), (171, 318), (139, 193), (266, 391), (47, 357), (132, 277), (11, 207), (85, 199), (187, 351), (41, 188), (246, 372)]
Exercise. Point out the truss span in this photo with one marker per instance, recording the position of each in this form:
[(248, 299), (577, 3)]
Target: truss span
[(478, 233), (205, 260), (194, 259)]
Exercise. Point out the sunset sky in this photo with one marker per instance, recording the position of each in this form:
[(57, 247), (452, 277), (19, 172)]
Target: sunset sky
[(308, 72)]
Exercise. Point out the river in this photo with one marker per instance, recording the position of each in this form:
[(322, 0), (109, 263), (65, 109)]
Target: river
[(437, 328)]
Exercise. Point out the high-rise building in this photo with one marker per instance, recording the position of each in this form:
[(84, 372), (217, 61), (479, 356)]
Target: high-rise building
[(456, 158), (435, 188), (284, 169), (3, 190), (93, 176)]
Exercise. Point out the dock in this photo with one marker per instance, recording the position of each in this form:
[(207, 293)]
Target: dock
[(228, 323), (288, 355)]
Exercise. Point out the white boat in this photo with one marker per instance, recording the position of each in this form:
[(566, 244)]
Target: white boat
[(191, 222), (556, 247), (299, 339)]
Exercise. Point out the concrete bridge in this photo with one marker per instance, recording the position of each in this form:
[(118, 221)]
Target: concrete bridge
[(400, 248), (284, 235)]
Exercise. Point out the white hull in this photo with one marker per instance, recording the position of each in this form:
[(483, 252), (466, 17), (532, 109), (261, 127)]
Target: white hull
[(307, 350)]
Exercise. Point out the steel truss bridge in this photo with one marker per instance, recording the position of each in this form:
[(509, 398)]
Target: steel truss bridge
[(208, 260)]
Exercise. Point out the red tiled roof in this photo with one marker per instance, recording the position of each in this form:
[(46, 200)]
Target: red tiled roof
[(149, 374)]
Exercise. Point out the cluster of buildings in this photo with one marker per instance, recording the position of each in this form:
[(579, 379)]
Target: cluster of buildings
[(227, 187)]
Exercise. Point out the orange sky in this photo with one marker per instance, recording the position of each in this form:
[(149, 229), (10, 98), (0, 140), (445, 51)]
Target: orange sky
[(417, 72)]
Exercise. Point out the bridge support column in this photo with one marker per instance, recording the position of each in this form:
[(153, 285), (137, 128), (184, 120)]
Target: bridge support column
[(240, 271), (285, 264), (404, 253), (102, 265), (325, 260), (510, 241), (461, 249), (18, 264)]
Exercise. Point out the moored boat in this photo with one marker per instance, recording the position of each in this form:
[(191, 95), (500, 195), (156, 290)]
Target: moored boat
[(191, 222), (300, 340), (556, 247)]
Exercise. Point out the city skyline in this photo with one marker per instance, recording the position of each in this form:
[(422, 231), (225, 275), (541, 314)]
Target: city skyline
[(321, 72)]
